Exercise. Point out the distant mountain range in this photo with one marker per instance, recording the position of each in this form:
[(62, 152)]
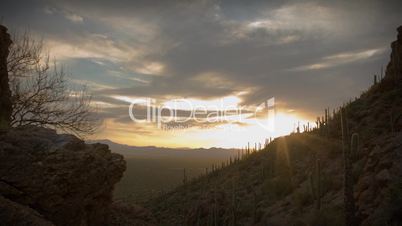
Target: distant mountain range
[(153, 168), (161, 152)]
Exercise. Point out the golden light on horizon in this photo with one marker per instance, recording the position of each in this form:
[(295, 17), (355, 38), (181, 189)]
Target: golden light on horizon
[(225, 135), (202, 124)]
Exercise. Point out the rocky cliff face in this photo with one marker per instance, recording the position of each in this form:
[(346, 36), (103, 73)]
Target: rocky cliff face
[(394, 67), (46, 179), (5, 93), (378, 189)]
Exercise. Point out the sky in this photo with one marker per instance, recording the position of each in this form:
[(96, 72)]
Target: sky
[(215, 55)]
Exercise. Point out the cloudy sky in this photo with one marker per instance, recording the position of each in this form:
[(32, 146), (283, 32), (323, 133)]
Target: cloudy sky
[(307, 54)]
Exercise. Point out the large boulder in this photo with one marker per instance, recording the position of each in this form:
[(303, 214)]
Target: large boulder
[(64, 180)]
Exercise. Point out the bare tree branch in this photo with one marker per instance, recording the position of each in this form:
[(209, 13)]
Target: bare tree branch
[(40, 92)]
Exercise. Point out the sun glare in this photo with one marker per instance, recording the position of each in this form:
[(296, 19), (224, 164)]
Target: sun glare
[(253, 131), (236, 133)]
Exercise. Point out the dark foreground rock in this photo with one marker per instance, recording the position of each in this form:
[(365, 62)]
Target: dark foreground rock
[(5, 93), (13, 213), (46, 179)]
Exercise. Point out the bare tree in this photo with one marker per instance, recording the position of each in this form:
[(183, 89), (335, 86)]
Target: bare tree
[(41, 94), (25, 54)]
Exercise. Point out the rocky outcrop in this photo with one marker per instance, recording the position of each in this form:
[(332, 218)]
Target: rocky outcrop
[(5, 93), (381, 172), (56, 178), (394, 67)]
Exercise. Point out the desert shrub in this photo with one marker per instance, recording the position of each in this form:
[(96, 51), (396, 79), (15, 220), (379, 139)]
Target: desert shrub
[(277, 187), (283, 187), (326, 217), (330, 183), (358, 168), (302, 197)]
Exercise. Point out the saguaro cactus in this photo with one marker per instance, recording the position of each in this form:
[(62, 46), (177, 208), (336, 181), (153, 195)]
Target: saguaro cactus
[(262, 172), (327, 118), (234, 204), (255, 201), (318, 175), (315, 184), (349, 201), (354, 146), (215, 213), (184, 176)]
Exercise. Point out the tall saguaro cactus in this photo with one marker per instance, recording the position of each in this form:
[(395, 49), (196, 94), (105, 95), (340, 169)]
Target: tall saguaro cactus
[(234, 204), (5, 93), (327, 119), (255, 200), (315, 183), (349, 201), (354, 146), (184, 176)]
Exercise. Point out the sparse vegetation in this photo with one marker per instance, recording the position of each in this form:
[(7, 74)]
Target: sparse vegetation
[(297, 179)]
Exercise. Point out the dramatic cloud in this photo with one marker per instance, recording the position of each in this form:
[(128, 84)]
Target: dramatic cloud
[(308, 54), (341, 58)]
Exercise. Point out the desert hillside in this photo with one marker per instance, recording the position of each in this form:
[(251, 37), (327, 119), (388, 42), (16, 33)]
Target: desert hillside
[(302, 179)]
